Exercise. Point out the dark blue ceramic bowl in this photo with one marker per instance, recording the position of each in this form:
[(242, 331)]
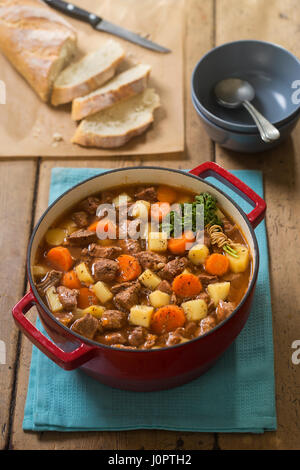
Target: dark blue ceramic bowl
[(245, 142), (271, 70)]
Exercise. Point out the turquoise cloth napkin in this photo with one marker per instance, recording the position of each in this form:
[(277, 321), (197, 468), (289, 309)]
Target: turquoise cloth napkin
[(236, 395)]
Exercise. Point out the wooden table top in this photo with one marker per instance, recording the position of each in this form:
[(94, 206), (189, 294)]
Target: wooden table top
[(24, 194)]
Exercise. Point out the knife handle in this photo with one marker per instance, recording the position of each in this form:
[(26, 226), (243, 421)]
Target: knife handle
[(74, 11)]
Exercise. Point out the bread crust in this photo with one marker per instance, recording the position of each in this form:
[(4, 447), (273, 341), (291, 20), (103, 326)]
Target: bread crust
[(109, 141), (37, 41), (92, 104)]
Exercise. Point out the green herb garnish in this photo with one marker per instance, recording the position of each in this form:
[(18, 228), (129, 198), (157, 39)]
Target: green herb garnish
[(188, 214)]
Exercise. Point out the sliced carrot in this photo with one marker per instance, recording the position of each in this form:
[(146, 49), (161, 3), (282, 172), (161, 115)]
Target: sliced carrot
[(166, 194), (86, 298), (60, 258), (104, 225), (71, 280), (129, 268), (178, 246), (167, 318), (159, 210), (217, 264), (186, 285), (93, 226)]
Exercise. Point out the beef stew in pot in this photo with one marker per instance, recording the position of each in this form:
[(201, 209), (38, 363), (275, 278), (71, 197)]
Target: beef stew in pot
[(114, 269)]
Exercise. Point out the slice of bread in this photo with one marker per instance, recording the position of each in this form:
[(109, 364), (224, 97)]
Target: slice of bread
[(126, 84), (114, 126), (87, 74)]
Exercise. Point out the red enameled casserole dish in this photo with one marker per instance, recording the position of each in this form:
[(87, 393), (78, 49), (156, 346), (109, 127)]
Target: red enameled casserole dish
[(154, 369)]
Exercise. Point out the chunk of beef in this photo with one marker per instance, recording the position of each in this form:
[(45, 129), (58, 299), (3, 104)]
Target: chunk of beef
[(146, 194), (64, 317), (207, 324), (127, 298), (130, 246), (118, 287), (90, 205), (224, 309), (86, 326), (188, 330), (137, 336), (173, 338), (52, 278), (150, 341), (107, 197), (165, 286), (105, 269), (150, 260), (97, 251), (173, 268), (113, 320), (207, 278), (80, 218), (68, 297), (82, 237), (115, 339), (204, 296), (229, 228)]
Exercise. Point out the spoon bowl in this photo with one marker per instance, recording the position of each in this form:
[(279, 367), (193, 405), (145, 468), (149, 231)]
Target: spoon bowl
[(234, 92), (231, 92)]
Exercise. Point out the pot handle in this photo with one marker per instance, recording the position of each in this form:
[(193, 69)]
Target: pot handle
[(66, 360), (212, 169)]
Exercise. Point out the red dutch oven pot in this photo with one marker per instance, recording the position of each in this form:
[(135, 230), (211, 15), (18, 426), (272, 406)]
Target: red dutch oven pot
[(142, 370)]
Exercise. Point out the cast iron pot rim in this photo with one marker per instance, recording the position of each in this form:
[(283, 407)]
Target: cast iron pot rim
[(242, 127), (167, 348)]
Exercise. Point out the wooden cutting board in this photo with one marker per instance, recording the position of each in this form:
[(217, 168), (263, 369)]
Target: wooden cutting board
[(28, 126)]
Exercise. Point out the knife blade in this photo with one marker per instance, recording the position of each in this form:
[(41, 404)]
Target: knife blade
[(100, 24)]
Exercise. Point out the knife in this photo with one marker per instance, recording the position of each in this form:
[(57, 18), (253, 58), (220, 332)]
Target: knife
[(100, 24)]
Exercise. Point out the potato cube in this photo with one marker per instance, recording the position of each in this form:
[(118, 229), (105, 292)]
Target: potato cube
[(84, 274), (95, 310), (195, 309), (55, 236), (69, 226), (218, 291), (53, 300), (149, 279), (198, 254), (158, 242), (102, 292), (39, 270), (141, 315), (240, 264), (140, 209), (159, 298), (121, 199)]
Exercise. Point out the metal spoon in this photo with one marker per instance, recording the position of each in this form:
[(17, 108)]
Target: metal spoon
[(233, 92)]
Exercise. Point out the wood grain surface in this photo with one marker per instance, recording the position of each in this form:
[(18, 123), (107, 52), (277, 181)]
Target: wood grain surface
[(207, 23)]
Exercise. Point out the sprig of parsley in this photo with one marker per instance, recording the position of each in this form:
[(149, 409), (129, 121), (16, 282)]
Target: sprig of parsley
[(188, 214)]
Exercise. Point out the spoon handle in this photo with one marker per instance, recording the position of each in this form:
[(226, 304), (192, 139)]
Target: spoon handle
[(267, 131)]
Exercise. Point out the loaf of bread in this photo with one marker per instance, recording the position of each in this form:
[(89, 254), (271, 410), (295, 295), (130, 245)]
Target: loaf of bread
[(115, 126), (87, 74), (37, 41), (122, 86)]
